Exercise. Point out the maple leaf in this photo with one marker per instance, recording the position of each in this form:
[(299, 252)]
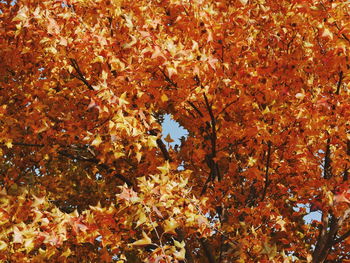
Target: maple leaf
[(165, 168), (97, 141), (17, 235), (157, 53), (152, 141), (128, 195), (142, 242), (170, 226), (53, 27), (22, 14), (342, 197), (3, 245), (168, 139), (9, 144)]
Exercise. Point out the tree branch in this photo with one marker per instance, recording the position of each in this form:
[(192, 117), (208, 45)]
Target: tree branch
[(80, 74), (326, 239), (209, 158), (161, 146), (227, 105), (327, 161), (96, 161), (321, 238), (207, 250), (341, 77), (195, 108), (172, 83), (342, 237), (80, 158), (267, 182), (28, 144), (213, 126)]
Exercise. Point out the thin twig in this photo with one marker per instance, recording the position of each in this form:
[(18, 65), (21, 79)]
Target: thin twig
[(80, 74), (80, 158), (172, 83), (341, 76), (267, 181), (342, 237), (195, 108)]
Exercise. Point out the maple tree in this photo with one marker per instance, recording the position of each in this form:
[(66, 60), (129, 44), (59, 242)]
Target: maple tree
[(261, 86)]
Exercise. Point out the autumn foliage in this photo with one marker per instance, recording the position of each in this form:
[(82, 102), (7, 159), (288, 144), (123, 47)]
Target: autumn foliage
[(262, 87)]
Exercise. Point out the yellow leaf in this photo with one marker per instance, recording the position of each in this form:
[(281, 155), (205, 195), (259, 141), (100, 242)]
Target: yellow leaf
[(300, 95), (122, 100), (97, 141), (99, 59), (170, 226), (117, 155), (29, 244), (131, 43), (266, 110), (164, 169), (327, 33), (142, 219), (164, 98), (9, 144), (22, 14), (67, 253), (251, 161), (116, 64), (180, 255), (171, 71), (152, 141), (3, 245), (178, 244), (168, 139), (138, 156), (144, 241)]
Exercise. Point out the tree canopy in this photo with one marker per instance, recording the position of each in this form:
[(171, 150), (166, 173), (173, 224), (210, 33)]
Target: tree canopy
[(262, 87)]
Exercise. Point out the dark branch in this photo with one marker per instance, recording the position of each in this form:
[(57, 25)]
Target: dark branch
[(80, 74), (207, 250), (341, 77), (326, 239), (164, 150), (327, 161), (172, 83), (227, 105), (205, 186), (65, 153), (28, 144), (267, 181), (195, 108), (209, 158), (342, 237), (96, 161), (213, 126), (161, 146)]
